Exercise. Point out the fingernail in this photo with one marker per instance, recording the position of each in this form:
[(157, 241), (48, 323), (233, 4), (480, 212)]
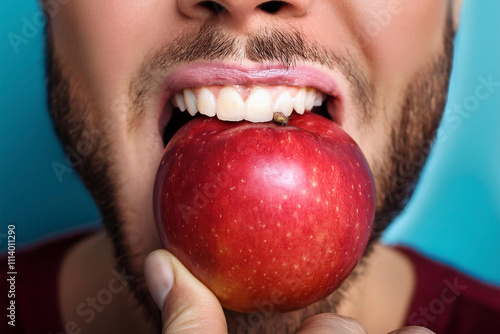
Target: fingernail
[(348, 325), (159, 276)]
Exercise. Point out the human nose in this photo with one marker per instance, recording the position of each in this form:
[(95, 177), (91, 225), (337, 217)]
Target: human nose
[(242, 11)]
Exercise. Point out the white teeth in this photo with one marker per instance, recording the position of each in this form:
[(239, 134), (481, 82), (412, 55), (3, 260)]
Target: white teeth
[(258, 106), (318, 100), (230, 105), (190, 100), (299, 102), (284, 104), (206, 102), (310, 96), (179, 100)]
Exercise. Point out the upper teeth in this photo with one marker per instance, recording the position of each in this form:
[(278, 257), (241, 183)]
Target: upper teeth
[(229, 102)]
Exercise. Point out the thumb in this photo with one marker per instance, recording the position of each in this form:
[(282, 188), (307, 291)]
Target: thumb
[(331, 323), (187, 305)]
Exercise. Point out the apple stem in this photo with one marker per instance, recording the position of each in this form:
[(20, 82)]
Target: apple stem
[(280, 118)]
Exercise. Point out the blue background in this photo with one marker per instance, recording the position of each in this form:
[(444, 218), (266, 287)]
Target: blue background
[(454, 215)]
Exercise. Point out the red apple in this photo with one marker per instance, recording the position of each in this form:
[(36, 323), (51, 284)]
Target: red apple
[(265, 213)]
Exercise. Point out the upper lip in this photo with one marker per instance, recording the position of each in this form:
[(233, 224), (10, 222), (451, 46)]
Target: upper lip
[(200, 74)]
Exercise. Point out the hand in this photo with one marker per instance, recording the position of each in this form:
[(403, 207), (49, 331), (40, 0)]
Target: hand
[(337, 324), (190, 307), (187, 305)]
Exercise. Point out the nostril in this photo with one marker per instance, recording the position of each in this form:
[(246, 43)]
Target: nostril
[(213, 6), (272, 7)]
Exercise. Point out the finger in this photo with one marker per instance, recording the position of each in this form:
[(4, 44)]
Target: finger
[(331, 323), (187, 305), (412, 330)]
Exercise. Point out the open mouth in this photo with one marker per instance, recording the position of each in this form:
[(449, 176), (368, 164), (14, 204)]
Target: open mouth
[(246, 94), (240, 103)]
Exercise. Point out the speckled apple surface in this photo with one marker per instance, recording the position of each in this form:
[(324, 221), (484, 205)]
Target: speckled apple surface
[(265, 212)]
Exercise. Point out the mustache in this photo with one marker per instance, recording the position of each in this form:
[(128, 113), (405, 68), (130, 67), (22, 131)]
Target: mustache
[(211, 42)]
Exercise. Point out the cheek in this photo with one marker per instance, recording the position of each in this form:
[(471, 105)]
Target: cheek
[(401, 36), (391, 37), (396, 38), (135, 161), (104, 41), (136, 156)]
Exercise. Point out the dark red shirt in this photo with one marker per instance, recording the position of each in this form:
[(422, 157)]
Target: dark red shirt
[(445, 300), (36, 287), (448, 301)]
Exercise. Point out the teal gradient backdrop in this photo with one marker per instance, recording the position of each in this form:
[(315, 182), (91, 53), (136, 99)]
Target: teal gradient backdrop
[(454, 215)]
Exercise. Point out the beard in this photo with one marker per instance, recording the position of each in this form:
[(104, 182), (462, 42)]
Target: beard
[(395, 175)]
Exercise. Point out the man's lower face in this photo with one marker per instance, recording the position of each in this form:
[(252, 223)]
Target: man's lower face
[(393, 121)]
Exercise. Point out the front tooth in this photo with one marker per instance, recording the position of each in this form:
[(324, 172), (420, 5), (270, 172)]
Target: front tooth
[(310, 96), (300, 100), (230, 105), (179, 100), (190, 100), (206, 102), (284, 104), (258, 106)]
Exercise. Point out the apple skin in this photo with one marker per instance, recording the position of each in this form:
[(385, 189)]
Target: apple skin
[(263, 213)]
